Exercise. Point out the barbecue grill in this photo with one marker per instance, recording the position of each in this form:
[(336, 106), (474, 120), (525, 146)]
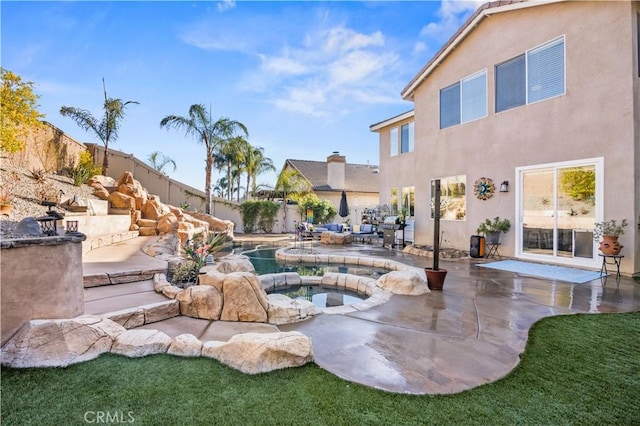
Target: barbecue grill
[(389, 228)]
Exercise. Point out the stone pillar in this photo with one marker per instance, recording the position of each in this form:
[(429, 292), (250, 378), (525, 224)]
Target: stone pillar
[(41, 279)]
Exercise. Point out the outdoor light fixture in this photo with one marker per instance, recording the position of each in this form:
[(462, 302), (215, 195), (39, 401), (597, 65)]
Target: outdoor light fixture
[(504, 186)]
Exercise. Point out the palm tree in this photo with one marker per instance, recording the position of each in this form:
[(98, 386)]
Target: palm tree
[(291, 181), (230, 156), (158, 161), (107, 128), (200, 125), (255, 164)]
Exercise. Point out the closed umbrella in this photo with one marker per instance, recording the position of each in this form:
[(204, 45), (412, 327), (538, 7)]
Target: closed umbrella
[(343, 211)]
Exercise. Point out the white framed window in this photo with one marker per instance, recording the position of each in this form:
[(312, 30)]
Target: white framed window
[(536, 75), (453, 197), (464, 101), (393, 141), (401, 139), (407, 138)]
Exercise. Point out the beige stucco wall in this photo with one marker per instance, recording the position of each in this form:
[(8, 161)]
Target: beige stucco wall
[(48, 148), (594, 118), (36, 284)]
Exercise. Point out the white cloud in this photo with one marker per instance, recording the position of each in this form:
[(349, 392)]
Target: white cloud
[(333, 70), (282, 65), (452, 14), (225, 5), (419, 47)]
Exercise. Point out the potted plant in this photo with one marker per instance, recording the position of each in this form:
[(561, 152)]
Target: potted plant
[(609, 231), (8, 188), (493, 228)]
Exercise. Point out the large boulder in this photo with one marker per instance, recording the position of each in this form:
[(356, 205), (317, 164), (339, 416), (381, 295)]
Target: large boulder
[(244, 298), (60, 342), (403, 282), (185, 345), (209, 275), (215, 224), (100, 191), (104, 181), (200, 301), (167, 224), (285, 310), (151, 210), (118, 200), (28, 226), (139, 343), (234, 263), (129, 186), (198, 226), (254, 353)]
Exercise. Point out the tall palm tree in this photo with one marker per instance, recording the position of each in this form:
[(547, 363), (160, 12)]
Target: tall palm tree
[(230, 155), (159, 161), (255, 164), (107, 128), (200, 125)]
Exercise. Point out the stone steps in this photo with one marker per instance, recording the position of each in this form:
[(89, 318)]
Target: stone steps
[(130, 305)]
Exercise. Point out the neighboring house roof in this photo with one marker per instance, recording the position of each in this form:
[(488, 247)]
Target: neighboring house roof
[(357, 177), (389, 121), (484, 11)]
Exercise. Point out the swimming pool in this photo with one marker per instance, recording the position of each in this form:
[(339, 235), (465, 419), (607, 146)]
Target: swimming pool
[(265, 262), (319, 295)]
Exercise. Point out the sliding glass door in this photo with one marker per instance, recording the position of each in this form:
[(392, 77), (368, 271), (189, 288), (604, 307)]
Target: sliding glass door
[(558, 205)]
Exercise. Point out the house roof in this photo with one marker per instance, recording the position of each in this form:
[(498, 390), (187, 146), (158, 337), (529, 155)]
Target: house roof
[(358, 177), (484, 11), (389, 121)]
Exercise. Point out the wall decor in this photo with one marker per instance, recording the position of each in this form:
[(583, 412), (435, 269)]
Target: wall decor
[(484, 188)]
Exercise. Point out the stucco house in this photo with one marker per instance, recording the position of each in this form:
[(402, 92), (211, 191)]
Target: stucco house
[(328, 180), (530, 112)]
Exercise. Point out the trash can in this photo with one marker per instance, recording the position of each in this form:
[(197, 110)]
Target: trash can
[(476, 248)]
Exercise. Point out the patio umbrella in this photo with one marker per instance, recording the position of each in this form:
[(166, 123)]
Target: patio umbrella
[(343, 211)]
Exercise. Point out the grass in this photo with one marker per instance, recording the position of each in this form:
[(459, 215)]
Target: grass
[(578, 369)]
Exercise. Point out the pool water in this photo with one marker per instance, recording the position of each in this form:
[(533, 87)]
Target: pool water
[(265, 262), (321, 296)]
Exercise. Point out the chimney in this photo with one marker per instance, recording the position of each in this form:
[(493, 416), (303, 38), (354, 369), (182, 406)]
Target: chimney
[(336, 165)]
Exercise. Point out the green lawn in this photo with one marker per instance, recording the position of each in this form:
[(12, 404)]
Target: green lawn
[(579, 369)]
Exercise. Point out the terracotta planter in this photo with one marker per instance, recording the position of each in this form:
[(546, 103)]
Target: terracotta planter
[(610, 246), (435, 278), (5, 209)]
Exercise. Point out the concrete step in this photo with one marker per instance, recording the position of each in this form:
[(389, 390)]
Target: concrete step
[(131, 305)]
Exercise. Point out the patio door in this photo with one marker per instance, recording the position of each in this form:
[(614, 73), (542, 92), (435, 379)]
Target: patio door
[(558, 205)]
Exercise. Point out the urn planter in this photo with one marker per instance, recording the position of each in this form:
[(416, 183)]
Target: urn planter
[(610, 246), (435, 278)]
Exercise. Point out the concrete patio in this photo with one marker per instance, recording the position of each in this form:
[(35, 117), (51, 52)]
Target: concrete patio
[(470, 334)]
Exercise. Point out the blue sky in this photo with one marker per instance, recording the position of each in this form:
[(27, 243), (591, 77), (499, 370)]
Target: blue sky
[(306, 78)]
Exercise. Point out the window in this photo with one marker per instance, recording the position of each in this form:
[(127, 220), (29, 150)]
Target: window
[(406, 138), (393, 200), (393, 141), (408, 201), (464, 101), (531, 77), (453, 200)]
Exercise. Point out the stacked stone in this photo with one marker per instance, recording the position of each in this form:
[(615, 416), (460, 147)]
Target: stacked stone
[(149, 216)]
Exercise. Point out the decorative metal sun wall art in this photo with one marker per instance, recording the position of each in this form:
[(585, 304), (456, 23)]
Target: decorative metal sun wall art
[(484, 188)]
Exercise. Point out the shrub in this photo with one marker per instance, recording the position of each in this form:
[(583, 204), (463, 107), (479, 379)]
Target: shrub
[(85, 169), (260, 213), (323, 210)]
